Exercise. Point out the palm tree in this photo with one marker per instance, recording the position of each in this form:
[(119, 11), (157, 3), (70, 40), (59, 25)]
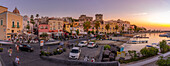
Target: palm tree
[(123, 28), (107, 27), (32, 20), (32, 17), (97, 25), (116, 27), (37, 15), (87, 26)]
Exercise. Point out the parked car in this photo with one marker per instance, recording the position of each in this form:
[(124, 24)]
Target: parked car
[(82, 43), (92, 44), (75, 53), (25, 47)]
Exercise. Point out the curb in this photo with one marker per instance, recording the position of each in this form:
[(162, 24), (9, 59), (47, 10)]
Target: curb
[(80, 62)]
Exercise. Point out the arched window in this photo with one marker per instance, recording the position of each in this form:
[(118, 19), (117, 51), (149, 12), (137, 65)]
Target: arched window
[(13, 24), (17, 24), (1, 22)]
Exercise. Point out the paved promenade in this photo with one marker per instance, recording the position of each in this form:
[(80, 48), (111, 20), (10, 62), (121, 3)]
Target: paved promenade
[(148, 61)]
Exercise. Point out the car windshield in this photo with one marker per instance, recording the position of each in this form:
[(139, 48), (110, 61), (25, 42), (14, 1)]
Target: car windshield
[(82, 42), (91, 43), (74, 51), (28, 46)]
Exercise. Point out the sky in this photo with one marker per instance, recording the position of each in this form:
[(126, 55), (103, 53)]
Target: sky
[(152, 14)]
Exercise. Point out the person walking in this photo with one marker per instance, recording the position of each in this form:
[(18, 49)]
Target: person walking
[(17, 60), (17, 48), (10, 52)]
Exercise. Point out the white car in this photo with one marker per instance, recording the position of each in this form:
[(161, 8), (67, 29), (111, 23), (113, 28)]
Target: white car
[(75, 53), (92, 44), (82, 43)]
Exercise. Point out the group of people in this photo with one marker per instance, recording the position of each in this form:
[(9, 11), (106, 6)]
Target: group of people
[(10, 50), (86, 58), (23, 40)]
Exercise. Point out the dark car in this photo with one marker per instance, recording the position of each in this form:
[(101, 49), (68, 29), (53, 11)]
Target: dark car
[(25, 47)]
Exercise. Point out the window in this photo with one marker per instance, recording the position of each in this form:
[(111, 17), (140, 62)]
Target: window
[(12, 31), (58, 27), (4, 30), (42, 27), (54, 28), (8, 36), (58, 23), (13, 24), (46, 27), (1, 22), (17, 24), (28, 22)]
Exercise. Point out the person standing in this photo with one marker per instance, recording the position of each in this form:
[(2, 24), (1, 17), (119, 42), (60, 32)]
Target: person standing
[(17, 60), (10, 52), (92, 60)]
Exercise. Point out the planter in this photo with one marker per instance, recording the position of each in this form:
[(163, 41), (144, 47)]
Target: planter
[(1, 49)]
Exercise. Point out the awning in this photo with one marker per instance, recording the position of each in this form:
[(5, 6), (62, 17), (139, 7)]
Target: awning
[(11, 33)]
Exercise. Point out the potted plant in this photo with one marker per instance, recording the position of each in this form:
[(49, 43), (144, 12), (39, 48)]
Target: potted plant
[(64, 49), (60, 51), (1, 49), (42, 53)]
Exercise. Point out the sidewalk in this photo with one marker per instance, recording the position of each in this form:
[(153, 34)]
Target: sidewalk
[(149, 61)]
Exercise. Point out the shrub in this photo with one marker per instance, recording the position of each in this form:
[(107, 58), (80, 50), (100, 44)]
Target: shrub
[(164, 47), (107, 46), (163, 62), (64, 49), (1, 49), (42, 52), (151, 51), (93, 41)]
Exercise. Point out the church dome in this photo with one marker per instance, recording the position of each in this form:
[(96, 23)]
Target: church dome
[(16, 11)]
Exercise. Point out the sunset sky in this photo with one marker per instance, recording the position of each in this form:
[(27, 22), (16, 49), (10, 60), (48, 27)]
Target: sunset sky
[(152, 14)]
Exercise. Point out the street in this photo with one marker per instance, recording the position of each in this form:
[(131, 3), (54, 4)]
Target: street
[(30, 58)]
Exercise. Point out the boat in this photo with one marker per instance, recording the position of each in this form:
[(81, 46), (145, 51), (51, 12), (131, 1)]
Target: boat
[(138, 42), (165, 35)]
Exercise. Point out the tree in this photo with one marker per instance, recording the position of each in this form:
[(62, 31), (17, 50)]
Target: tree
[(123, 28), (77, 31), (164, 47), (97, 25), (32, 17), (116, 27), (28, 26), (163, 62), (37, 15), (87, 26), (44, 35), (107, 27)]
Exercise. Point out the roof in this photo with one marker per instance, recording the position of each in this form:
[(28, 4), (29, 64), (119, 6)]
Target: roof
[(4, 7), (16, 11)]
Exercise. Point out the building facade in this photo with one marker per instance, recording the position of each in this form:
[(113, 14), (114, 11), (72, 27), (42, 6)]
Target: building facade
[(56, 26), (11, 23)]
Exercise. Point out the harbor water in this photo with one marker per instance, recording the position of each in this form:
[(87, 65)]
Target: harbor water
[(153, 38)]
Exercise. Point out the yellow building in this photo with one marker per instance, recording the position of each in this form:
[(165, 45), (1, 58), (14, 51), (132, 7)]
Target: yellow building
[(56, 26), (67, 26), (75, 24), (11, 23)]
